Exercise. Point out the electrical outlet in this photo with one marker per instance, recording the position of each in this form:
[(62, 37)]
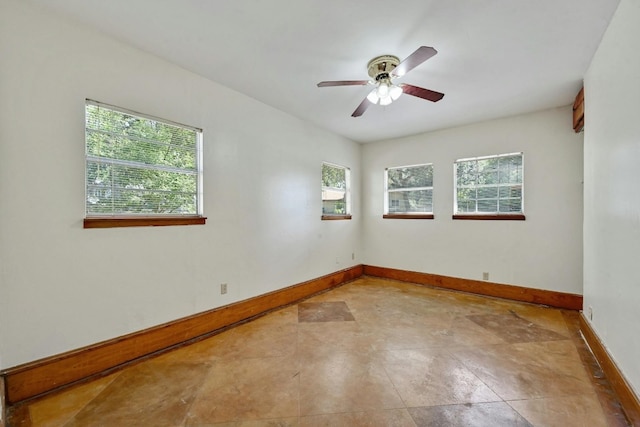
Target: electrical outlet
[(353, 255), (590, 313), (485, 276), (223, 288)]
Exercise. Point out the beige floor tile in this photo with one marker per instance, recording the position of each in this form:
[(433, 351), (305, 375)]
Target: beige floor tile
[(530, 370), (549, 318), (514, 329), (247, 389), (465, 333), (434, 331), (430, 378), (344, 382), (219, 346), (282, 315), (262, 340), (60, 408), (232, 343), (157, 394), (265, 337), (324, 311), (388, 418), (411, 332), (281, 422), (494, 414), (317, 340), (567, 411)]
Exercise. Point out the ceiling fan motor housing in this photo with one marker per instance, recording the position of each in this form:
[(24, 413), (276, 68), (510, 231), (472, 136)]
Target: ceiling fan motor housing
[(381, 66)]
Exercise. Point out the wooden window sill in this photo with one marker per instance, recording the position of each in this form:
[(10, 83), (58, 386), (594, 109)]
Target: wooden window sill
[(113, 222), (408, 216), (335, 217), (502, 217)]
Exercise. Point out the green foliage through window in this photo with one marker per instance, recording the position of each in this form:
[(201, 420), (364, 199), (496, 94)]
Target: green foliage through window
[(335, 190), (489, 185), (409, 189), (140, 166)]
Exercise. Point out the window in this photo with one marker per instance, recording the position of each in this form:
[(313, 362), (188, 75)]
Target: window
[(409, 192), (336, 197), (489, 187), (140, 170)]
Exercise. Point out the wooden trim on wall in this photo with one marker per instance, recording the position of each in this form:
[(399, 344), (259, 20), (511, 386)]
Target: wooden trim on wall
[(334, 217), (629, 401), (45, 375), (3, 410), (578, 112), (113, 222), (408, 216), (516, 293), (491, 217)]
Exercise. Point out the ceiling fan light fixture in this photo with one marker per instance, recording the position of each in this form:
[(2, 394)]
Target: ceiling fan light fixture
[(383, 89), (386, 100), (373, 96), (385, 93), (395, 92)]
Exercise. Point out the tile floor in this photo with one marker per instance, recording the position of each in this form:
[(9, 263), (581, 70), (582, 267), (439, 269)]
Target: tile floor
[(371, 353)]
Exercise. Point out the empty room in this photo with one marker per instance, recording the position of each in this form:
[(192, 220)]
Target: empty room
[(290, 213)]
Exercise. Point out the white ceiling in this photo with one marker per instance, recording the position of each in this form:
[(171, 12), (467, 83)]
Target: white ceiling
[(495, 58)]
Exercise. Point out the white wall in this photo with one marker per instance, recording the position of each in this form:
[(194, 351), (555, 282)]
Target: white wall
[(544, 252), (63, 287), (612, 198)]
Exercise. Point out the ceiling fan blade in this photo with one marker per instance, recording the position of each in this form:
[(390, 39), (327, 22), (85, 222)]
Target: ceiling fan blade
[(361, 108), (429, 95), (344, 83), (412, 61)]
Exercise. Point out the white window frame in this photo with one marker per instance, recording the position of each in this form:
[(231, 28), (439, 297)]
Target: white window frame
[(387, 191), (123, 218), (346, 190), (458, 214)]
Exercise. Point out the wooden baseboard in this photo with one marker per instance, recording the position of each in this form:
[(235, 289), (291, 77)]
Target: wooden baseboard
[(35, 378), (629, 401), (516, 293), (3, 410)]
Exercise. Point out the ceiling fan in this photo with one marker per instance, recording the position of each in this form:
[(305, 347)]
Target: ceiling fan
[(383, 70)]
